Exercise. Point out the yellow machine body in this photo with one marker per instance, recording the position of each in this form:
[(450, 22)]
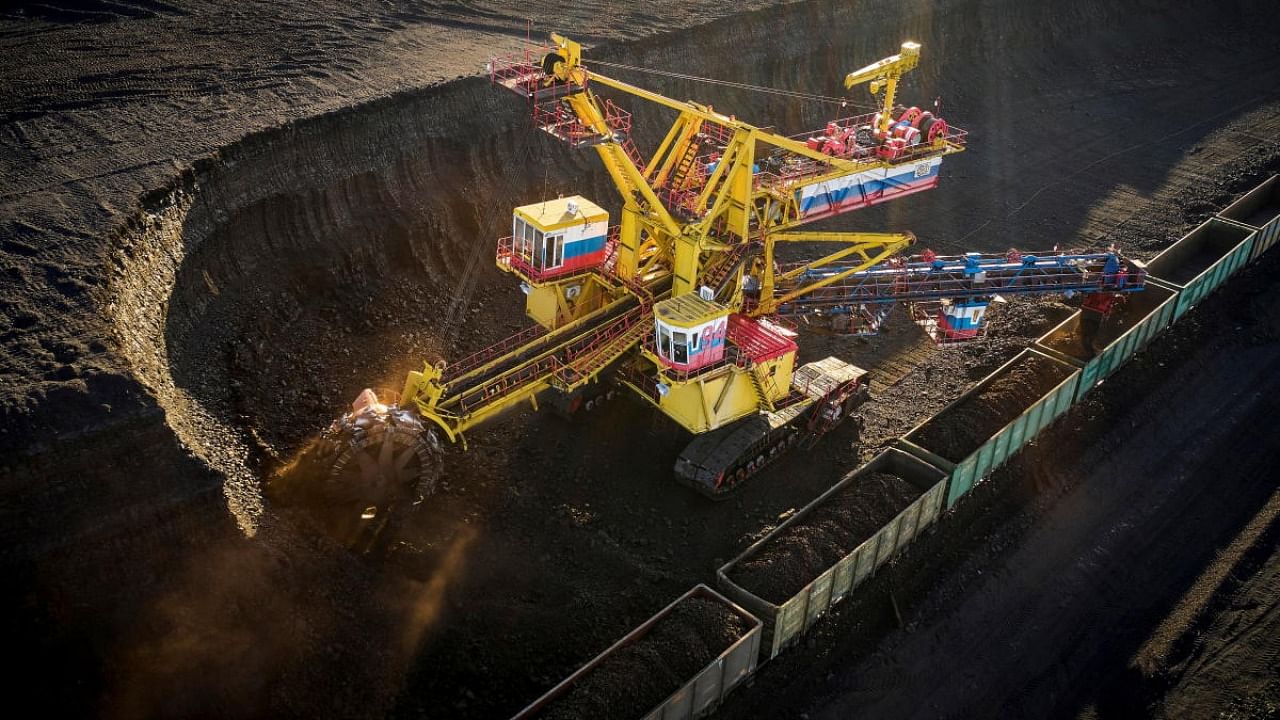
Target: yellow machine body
[(553, 247), (685, 246), (713, 399), (556, 303)]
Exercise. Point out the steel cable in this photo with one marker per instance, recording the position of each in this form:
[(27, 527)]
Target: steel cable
[(741, 86)]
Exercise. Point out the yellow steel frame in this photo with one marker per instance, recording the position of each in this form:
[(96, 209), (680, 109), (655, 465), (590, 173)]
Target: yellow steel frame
[(748, 211), (441, 402), (871, 249), (654, 244)]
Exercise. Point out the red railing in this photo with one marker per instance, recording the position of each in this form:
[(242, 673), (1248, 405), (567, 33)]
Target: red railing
[(619, 121), (515, 259), (717, 133), (611, 251), (617, 118), (507, 383), (683, 189), (522, 73), (645, 383), (562, 123), (757, 341), (681, 198), (731, 357), (928, 315), (601, 337), (953, 135), (917, 284), (575, 362), (455, 370), (728, 262), (519, 71), (797, 170), (595, 350)]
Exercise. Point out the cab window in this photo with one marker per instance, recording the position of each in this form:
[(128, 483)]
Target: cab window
[(679, 348)]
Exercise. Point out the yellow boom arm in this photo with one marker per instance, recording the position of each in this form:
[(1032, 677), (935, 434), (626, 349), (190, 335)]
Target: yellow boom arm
[(886, 74)]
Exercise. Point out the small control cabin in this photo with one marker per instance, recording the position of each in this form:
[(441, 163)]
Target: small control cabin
[(557, 237), (689, 332), (961, 320)]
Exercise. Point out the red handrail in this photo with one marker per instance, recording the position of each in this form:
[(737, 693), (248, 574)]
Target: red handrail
[(457, 369)]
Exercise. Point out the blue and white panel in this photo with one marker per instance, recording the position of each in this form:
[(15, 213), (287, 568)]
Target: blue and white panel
[(867, 188), (584, 245), (963, 319)]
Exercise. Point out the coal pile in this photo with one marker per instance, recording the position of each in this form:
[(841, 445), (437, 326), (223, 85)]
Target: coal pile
[(1024, 318), (633, 680), (815, 542), (964, 427)]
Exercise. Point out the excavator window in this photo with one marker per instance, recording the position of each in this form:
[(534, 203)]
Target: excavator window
[(679, 348), (527, 238), (552, 249)]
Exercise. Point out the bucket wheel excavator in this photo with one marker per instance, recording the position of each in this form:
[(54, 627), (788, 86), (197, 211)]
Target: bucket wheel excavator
[(678, 301)]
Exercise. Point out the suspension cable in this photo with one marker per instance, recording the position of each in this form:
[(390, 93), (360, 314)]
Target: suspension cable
[(741, 86)]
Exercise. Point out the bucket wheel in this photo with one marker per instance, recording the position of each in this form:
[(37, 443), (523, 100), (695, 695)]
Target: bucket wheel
[(366, 462), (380, 458), (552, 65)]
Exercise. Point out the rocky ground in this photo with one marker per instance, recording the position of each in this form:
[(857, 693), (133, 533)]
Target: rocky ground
[(219, 223)]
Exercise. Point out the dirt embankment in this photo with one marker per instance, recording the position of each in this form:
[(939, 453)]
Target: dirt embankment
[(812, 544), (633, 680)]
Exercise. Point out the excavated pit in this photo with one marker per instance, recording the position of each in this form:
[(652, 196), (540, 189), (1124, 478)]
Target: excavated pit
[(277, 279), (272, 282)]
